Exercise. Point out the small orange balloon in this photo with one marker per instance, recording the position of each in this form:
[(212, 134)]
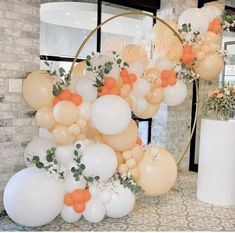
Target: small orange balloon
[(56, 100), (123, 72), (86, 195), (132, 78), (172, 80), (79, 207), (139, 141), (114, 91), (187, 49), (77, 195), (109, 82), (65, 94), (68, 200), (76, 99), (104, 91)]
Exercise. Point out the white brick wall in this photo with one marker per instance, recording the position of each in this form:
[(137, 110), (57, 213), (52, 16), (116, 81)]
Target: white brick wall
[(19, 54)]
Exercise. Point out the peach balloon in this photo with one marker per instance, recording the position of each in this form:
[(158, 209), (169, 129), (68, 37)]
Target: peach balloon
[(74, 129), (119, 157), (156, 97), (37, 89), (138, 153), (123, 141), (44, 117), (122, 168), (210, 67), (129, 101), (149, 112), (127, 155), (210, 37), (125, 89), (135, 172), (158, 172), (131, 163), (65, 112), (135, 53), (61, 135)]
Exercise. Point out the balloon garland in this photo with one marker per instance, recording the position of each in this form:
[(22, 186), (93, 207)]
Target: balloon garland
[(94, 163)]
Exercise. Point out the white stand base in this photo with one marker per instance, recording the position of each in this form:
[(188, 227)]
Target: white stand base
[(216, 173)]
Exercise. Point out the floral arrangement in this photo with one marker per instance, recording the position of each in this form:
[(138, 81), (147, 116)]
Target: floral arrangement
[(220, 101)]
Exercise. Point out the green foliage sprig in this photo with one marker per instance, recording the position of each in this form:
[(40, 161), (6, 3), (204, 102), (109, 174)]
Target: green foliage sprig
[(80, 167), (219, 102), (50, 165), (228, 20), (128, 182), (63, 78), (188, 35)]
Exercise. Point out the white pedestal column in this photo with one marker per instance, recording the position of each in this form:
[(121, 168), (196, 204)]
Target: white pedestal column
[(216, 173)]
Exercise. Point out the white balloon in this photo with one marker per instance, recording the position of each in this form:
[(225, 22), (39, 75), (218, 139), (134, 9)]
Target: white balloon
[(175, 95), (196, 17), (105, 196), (86, 89), (95, 211), (211, 12), (163, 63), (110, 114), (64, 154), (83, 144), (69, 215), (140, 105), (141, 87), (136, 68), (99, 160), (122, 203), (33, 198), (71, 184), (38, 147), (94, 190), (84, 110)]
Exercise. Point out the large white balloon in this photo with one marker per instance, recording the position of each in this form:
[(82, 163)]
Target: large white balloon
[(64, 154), (163, 63), (95, 211), (211, 12), (86, 89), (84, 110), (110, 114), (69, 215), (71, 184), (100, 160), (196, 17), (38, 147), (175, 95), (141, 87), (33, 198), (122, 203)]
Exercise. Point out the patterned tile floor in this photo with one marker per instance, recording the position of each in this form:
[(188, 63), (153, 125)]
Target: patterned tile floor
[(178, 210)]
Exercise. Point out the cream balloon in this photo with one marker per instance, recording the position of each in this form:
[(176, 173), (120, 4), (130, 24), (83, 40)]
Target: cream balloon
[(64, 154), (110, 114), (163, 63), (85, 87), (210, 67), (196, 17), (32, 197), (175, 95), (69, 215), (150, 111), (37, 89), (210, 37), (211, 12), (38, 147), (156, 96), (138, 153), (135, 53), (84, 110), (44, 117), (99, 160), (136, 68), (141, 87), (65, 113), (125, 140), (158, 172), (122, 202), (61, 135)]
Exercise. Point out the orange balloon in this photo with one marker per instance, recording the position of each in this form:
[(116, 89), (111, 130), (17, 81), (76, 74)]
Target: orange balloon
[(37, 89), (61, 135), (139, 141), (68, 200), (109, 82), (123, 141), (86, 195), (65, 112), (78, 195), (79, 207), (65, 94), (76, 99), (44, 117)]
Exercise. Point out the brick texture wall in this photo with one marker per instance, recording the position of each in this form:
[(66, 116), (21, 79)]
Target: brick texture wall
[(19, 54)]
